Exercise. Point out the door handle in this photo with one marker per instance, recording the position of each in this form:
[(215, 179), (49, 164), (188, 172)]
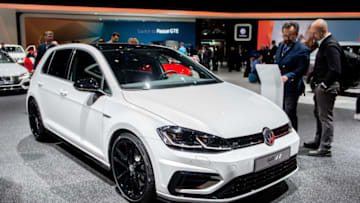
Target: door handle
[(40, 84), (63, 93)]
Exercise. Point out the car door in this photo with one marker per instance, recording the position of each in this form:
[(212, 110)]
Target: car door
[(87, 107), (53, 89)]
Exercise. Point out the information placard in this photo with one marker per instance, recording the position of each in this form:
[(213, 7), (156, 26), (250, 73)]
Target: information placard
[(272, 86)]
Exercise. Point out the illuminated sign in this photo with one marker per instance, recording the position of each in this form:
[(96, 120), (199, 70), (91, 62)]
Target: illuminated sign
[(161, 31), (242, 32), (168, 31)]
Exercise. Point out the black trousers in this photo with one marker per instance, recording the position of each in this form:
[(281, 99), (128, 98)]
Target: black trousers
[(323, 111), (290, 106)]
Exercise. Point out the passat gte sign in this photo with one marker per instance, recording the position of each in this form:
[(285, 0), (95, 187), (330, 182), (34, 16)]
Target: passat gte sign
[(242, 32), (168, 31)]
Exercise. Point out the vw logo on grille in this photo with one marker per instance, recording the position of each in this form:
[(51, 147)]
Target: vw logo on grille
[(269, 136)]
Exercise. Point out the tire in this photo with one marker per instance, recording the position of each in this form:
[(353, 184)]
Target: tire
[(132, 169), (36, 123)]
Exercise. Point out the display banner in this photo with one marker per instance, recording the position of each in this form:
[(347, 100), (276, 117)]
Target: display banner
[(342, 30), (69, 30), (150, 31)]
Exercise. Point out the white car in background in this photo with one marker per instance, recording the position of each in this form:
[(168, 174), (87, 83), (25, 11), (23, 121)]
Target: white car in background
[(12, 75), (16, 52), (183, 137), (353, 47)]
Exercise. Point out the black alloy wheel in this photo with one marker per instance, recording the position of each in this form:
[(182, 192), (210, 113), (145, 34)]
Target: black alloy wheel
[(132, 169), (36, 124)]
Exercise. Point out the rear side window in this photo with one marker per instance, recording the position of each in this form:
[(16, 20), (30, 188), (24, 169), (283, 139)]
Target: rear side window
[(47, 63), (58, 66)]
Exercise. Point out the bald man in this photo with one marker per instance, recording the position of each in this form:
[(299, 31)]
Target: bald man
[(326, 87)]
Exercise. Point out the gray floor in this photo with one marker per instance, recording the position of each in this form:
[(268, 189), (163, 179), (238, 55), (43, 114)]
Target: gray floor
[(54, 172)]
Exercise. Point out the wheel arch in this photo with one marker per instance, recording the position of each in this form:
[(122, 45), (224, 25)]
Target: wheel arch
[(30, 97), (136, 139), (117, 133), (114, 136)]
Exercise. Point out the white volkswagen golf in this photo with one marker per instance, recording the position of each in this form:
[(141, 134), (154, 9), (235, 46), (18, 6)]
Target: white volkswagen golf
[(163, 124)]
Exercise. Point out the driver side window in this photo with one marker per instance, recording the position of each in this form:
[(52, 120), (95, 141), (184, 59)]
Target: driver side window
[(84, 66)]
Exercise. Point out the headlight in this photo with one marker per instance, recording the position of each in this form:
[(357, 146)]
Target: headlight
[(188, 139), (24, 76)]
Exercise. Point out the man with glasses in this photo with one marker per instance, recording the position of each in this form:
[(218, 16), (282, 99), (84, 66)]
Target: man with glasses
[(293, 60)]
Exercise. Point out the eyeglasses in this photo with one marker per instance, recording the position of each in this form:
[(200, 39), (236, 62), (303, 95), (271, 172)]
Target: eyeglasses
[(289, 35)]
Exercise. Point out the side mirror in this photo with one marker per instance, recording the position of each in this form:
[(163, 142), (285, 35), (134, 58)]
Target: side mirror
[(87, 85)]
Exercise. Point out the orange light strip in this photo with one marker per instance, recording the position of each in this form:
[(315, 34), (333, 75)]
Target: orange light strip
[(179, 13)]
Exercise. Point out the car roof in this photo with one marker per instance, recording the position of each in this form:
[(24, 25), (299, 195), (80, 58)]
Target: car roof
[(12, 45), (110, 46), (349, 43)]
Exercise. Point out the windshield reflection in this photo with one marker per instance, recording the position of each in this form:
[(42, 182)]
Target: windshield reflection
[(147, 67)]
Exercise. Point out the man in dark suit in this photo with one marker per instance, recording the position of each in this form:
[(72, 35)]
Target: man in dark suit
[(326, 85), (204, 56), (273, 50), (293, 60), (49, 37)]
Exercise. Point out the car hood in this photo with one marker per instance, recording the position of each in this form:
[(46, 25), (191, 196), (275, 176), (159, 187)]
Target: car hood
[(220, 109), (11, 69)]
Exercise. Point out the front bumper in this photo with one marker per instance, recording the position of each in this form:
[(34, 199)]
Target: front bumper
[(231, 174)]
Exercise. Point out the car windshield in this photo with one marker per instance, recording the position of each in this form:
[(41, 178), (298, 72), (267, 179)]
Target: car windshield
[(148, 67), (5, 59), (14, 49)]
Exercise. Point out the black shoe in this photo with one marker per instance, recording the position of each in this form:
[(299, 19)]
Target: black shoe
[(311, 145), (320, 153)]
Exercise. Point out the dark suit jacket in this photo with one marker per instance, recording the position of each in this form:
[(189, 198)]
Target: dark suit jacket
[(40, 53), (205, 60), (328, 62), (294, 64)]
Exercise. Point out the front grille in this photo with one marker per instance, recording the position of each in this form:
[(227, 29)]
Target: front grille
[(253, 181), (281, 131), (10, 88), (257, 138), (9, 80), (249, 182)]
